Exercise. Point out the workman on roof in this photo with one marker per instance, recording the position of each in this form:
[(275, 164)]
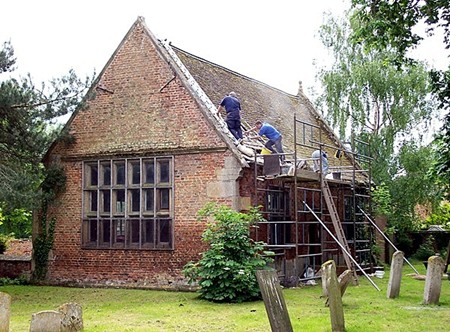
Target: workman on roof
[(233, 109)]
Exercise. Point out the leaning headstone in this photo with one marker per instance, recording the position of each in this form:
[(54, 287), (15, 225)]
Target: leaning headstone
[(72, 320), (433, 281), (344, 280), (274, 300), (46, 321), (395, 275), (5, 311), (334, 297)]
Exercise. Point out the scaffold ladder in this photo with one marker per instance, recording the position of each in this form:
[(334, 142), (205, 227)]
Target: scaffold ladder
[(336, 222)]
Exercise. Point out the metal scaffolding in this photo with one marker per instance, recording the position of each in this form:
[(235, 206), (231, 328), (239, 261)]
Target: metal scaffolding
[(293, 198)]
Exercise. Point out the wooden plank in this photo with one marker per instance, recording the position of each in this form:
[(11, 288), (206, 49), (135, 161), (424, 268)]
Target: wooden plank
[(274, 300)]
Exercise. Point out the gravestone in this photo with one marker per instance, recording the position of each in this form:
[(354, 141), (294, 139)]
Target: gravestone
[(395, 275), (433, 280), (46, 321), (334, 296), (274, 300), (344, 280), (72, 320), (5, 311)]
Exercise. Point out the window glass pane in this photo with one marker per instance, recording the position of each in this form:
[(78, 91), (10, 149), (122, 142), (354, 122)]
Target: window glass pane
[(135, 173), (94, 175), (106, 201), (92, 230), (91, 175), (149, 168), (134, 231), (165, 232), (149, 197), (119, 200), (93, 201), (135, 198), (164, 198), (105, 231), (120, 173), (164, 171), (119, 231), (148, 233), (106, 174)]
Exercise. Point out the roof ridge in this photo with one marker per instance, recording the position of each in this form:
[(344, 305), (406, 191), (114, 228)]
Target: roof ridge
[(233, 72)]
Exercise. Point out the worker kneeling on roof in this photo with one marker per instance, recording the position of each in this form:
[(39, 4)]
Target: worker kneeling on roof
[(273, 135)]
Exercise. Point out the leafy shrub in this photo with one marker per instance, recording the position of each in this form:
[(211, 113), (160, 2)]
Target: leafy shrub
[(440, 217), (382, 200), (426, 249), (226, 271), (23, 280), (16, 221)]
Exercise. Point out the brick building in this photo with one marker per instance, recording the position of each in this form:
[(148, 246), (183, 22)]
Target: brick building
[(150, 150)]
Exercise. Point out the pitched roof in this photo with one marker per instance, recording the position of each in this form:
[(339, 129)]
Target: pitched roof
[(260, 101)]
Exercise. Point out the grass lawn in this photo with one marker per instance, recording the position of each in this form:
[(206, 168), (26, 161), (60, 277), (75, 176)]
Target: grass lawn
[(365, 309)]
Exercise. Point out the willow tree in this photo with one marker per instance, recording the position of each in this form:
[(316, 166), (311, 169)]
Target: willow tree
[(402, 25), (368, 96)]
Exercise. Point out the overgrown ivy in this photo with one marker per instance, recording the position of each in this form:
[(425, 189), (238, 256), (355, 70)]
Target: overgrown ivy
[(53, 184), (226, 271)]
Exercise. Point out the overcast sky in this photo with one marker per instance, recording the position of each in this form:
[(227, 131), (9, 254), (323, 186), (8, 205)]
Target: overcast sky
[(271, 41), (274, 41)]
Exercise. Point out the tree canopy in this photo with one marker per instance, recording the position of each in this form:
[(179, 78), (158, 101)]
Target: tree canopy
[(28, 125), (393, 25), (389, 24), (367, 96), (371, 96)]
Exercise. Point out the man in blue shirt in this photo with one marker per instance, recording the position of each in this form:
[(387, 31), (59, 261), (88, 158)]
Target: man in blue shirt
[(274, 137), (233, 108)]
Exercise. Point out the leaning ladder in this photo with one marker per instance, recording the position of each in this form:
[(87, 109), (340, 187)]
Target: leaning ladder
[(336, 222)]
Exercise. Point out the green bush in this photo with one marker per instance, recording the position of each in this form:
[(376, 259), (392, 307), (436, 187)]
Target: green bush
[(226, 271), (23, 280), (426, 249), (440, 217), (16, 221)]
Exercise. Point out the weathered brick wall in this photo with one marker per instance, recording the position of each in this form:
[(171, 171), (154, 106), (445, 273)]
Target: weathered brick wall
[(140, 109), (14, 267), (71, 264), (16, 260), (138, 105)]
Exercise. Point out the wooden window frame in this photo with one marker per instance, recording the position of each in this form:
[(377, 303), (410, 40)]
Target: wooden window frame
[(127, 200)]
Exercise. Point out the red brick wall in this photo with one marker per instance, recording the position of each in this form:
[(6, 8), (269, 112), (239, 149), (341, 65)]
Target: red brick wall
[(14, 267), (16, 261), (135, 118), (136, 115), (71, 264)]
